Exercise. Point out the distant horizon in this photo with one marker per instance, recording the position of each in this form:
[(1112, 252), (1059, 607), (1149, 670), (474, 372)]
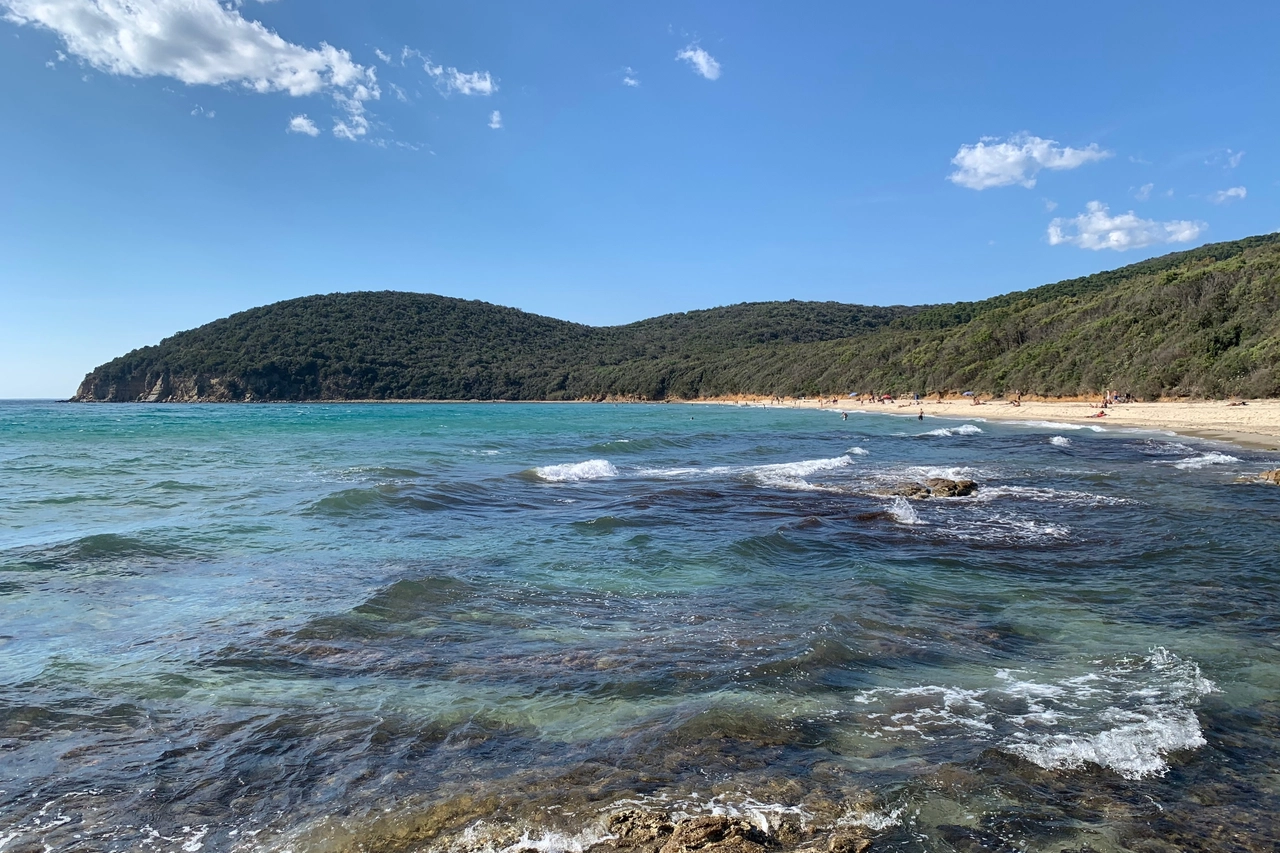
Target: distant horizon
[(179, 161)]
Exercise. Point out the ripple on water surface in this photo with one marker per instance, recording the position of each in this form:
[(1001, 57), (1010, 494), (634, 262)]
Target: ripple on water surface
[(453, 628)]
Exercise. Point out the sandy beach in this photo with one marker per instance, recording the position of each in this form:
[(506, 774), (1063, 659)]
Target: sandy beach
[(1254, 424)]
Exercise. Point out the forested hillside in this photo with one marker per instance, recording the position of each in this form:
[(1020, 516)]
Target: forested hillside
[(1201, 323)]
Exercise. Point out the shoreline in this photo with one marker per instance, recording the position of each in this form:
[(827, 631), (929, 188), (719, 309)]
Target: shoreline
[(1253, 424)]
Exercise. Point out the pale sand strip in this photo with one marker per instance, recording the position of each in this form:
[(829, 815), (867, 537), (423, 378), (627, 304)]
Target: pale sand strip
[(1255, 424)]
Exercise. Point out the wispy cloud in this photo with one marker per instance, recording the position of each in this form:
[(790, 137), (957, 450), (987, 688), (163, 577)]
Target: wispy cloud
[(1097, 229), (1234, 158), (1230, 194), (495, 120), (385, 57), (1143, 192), (702, 62), (198, 42), (302, 124), (201, 111), (399, 93), (630, 78), (450, 80), (995, 163)]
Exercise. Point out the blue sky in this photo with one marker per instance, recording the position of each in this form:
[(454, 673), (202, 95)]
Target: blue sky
[(164, 163)]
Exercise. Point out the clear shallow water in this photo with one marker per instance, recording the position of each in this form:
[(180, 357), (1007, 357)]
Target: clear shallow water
[(401, 627)]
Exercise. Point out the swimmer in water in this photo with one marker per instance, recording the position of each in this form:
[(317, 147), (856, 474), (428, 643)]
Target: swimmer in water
[(920, 416)]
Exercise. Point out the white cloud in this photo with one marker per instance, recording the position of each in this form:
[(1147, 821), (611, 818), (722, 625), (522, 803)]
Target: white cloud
[(1231, 194), (1098, 229), (992, 163), (452, 80), (1234, 158), (629, 77), (382, 56), (201, 111), (1144, 192), (495, 120), (356, 124), (701, 61), (199, 42), (400, 95), (302, 124), (1050, 205)]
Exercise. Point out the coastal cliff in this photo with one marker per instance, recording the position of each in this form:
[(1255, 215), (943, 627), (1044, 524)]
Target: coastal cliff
[(1202, 323)]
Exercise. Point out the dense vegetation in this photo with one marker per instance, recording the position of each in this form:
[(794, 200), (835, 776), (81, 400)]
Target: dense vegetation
[(1201, 323)]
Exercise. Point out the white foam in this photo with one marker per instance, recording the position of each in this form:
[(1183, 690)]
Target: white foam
[(876, 821), (789, 475), (959, 472), (1063, 496), (1127, 716), (1060, 426), (904, 513), (1204, 460), (858, 451), (1135, 748), (1059, 441), (592, 469), (963, 429)]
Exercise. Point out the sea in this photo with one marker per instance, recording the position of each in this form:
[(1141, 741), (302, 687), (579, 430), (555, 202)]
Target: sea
[(490, 627)]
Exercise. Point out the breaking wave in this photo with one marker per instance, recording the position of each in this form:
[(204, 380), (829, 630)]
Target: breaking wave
[(1059, 441), (592, 469), (1204, 460), (963, 429)]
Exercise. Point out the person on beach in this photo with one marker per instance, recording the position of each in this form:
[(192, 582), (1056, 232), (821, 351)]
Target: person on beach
[(920, 416)]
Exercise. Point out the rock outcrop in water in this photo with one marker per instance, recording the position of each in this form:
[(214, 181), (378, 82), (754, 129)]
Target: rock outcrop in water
[(1271, 476), (934, 487), (640, 831)]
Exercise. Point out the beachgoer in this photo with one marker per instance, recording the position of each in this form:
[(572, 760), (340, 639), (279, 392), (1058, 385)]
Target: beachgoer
[(844, 416), (920, 416)]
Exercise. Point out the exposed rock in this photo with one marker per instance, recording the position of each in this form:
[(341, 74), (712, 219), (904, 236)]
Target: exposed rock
[(848, 842), (1271, 476), (716, 833), (940, 487), (636, 828), (914, 491), (936, 487)]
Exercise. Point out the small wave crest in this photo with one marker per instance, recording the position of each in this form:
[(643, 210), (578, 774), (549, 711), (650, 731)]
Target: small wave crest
[(572, 472), (1060, 426), (858, 451), (786, 475), (1059, 441), (1204, 460), (947, 432)]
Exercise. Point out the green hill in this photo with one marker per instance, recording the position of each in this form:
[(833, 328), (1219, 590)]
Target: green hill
[(1200, 323)]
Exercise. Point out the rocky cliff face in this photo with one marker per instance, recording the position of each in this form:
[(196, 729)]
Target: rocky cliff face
[(160, 388)]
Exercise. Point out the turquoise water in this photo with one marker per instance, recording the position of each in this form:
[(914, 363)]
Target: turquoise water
[(467, 627)]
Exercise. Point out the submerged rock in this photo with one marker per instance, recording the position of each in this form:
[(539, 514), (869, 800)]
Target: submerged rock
[(848, 842), (934, 487)]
